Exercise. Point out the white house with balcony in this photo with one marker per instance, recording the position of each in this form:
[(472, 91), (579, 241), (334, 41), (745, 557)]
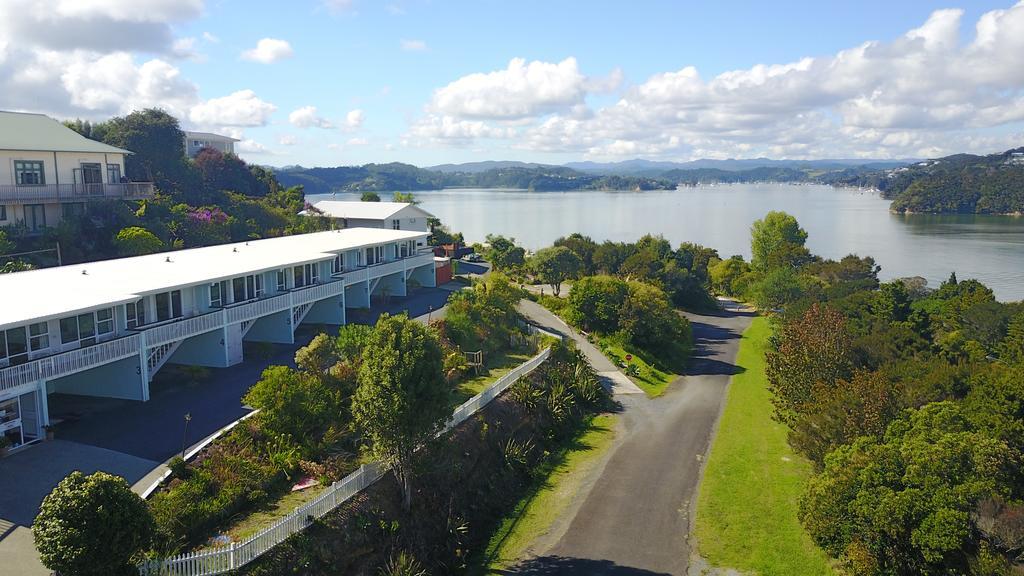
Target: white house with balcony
[(48, 171), (196, 141), (390, 215), (105, 328)]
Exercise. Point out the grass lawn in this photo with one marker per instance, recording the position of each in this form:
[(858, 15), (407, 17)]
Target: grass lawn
[(650, 379), (747, 509), (252, 523), (497, 366), (536, 512)]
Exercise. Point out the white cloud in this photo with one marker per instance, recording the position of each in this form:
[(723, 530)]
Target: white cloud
[(269, 50), (338, 6), (923, 92), (520, 90), (357, 142), (354, 119), (395, 10), (307, 117), (211, 38), (252, 147), (241, 108), (287, 140), (130, 10), (413, 45)]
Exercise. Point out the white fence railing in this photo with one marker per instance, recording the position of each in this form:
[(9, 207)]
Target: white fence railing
[(68, 362), (181, 329), (237, 554)]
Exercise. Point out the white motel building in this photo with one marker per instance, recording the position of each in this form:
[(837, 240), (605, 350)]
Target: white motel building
[(105, 328)]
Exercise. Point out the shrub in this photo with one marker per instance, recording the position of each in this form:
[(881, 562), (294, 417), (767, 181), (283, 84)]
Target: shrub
[(92, 525), (594, 303)]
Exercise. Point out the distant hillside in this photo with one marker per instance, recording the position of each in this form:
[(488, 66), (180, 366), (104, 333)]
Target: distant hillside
[(477, 167), (962, 183), (652, 168), (405, 177)]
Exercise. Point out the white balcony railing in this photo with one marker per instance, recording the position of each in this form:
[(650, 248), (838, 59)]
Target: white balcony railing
[(68, 362), (76, 192)]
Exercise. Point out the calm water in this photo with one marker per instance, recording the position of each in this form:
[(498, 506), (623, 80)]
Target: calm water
[(839, 222)]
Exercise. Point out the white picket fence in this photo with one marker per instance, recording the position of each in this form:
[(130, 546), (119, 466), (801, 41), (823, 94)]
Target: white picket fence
[(237, 554)]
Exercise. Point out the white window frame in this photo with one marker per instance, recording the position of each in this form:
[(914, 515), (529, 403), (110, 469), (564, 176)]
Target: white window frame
[(38, 336), (133, 313), (218, 301), (282, 280), (396, 224)]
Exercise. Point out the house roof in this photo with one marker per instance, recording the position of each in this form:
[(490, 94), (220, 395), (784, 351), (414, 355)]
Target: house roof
[(210, 135), (38, 132), (37, 295), (366, 210)]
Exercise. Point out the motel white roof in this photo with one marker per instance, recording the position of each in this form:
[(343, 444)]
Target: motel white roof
[(38, 295), (366, 210)]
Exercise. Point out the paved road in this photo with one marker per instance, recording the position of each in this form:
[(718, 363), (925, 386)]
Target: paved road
[(608, 372), (635, 519)]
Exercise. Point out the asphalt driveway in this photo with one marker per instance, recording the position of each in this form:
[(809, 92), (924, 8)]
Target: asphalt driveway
[(635, 519)]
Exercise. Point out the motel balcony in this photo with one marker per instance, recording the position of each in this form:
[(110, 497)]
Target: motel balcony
[(75, 192)]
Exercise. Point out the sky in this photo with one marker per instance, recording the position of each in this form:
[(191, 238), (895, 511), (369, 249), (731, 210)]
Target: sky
[(340, 82)]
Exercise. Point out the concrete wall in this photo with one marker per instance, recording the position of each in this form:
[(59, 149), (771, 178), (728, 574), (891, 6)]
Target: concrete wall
[(207, 349), (121, 379), (275, 328), (328, 311)]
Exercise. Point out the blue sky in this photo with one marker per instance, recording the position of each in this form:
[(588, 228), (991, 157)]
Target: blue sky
[(352, 81)]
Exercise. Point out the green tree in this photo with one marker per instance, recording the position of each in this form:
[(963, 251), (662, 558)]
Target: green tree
[(408, 197), (158, 147), (555, 265), (724, 274), (1011, 349), (583, 246), (370, 197), (92, 525), (649, 322), (776, 289), (402, 400), (777, 240), (594, 303), (902, 505), (136, 241), (296, 404), (812, 353), (503, 252)]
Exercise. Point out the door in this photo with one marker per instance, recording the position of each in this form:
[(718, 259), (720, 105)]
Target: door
[(92, 177), (35, 217), (30, 422)]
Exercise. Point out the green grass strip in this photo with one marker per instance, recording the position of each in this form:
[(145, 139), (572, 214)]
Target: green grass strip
[(747, 509)]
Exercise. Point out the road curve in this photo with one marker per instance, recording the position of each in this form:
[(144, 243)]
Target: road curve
[(635, 519)]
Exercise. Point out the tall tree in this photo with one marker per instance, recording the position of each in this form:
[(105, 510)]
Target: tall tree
[(369, 197), (503, 252), (402, 399), (554, 265), (136, 241), (777, 240), (158, 147)]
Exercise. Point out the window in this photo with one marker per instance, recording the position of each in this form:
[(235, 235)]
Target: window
[(3, 345), (17, 345), (135, 314), (3, 212), (238, 289), (35, 217), (216, 296), (306, 275), (72, 209), (374, 255), (282, 280), (39, 336), (396, 224), (105, 321), (259, 286), (81, 328), (113, 173), (246, 287), (195, 143), (168, 305), (29, 173), (337, 265)]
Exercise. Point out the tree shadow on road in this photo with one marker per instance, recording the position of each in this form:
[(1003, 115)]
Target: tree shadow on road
[(575, 567), (707, 340)]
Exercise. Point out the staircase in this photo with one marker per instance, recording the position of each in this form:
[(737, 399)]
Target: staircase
[(245, 326), (158, 356), (299, 312)]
